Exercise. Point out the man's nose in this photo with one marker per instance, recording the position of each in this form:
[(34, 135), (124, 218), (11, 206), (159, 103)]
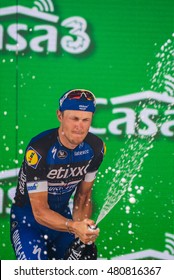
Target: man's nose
[(80, 124)]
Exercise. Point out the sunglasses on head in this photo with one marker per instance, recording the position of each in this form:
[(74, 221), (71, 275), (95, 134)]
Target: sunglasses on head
[(77, 94)]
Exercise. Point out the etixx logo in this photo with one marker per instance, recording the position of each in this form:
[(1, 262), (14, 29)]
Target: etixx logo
[(25, 37)]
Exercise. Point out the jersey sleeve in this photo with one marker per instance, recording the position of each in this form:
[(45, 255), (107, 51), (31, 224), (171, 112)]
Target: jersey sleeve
[(35, 170)]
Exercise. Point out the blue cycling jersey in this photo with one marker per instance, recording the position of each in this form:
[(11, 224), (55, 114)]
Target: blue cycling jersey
[(50, 166)]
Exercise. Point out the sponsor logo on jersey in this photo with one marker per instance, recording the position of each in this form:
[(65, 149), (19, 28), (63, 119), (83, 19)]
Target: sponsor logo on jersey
[(32, 186), (14, 224), (61, 190), (32, 157), (68, 172), (22, 181), (62, 154), (54, 151), (80, 153)]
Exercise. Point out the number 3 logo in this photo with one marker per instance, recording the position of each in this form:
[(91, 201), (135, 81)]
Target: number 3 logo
[(78, 25)]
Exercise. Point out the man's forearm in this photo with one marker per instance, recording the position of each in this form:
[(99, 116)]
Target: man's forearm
[(51, 219), (82, 208)]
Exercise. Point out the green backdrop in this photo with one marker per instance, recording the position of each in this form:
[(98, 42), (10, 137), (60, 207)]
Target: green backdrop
[(122, 51)]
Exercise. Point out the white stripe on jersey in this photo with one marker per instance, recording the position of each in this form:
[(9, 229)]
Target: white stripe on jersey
[(35, 187), (89, 177)]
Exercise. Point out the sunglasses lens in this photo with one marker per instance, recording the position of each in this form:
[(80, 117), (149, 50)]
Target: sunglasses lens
[(75, 95), (78, 94), (89, 95)]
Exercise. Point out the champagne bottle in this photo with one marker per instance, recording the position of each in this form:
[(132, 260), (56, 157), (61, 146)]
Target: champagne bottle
[(80, 251)]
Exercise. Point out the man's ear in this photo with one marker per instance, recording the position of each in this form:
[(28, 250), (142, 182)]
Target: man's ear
[(59, 115)]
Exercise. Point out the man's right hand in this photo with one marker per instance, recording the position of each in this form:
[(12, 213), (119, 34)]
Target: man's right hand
[(84, 232)]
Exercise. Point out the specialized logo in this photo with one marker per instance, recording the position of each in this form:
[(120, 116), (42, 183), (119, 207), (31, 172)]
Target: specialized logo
[(37, 251), (32, 157), (14, 224), (28, 36), (54, 151), (62, 154)]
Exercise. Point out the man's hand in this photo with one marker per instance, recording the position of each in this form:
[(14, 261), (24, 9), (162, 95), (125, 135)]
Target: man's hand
[(84, 232)]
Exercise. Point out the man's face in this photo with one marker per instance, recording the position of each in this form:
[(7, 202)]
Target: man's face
[(74, 127)]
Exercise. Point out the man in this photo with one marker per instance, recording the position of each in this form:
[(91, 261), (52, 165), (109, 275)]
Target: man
[(58, 163)]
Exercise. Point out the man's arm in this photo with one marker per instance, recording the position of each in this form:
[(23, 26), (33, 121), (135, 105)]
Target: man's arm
[(82, 208), (43, 214), (51, 219)]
